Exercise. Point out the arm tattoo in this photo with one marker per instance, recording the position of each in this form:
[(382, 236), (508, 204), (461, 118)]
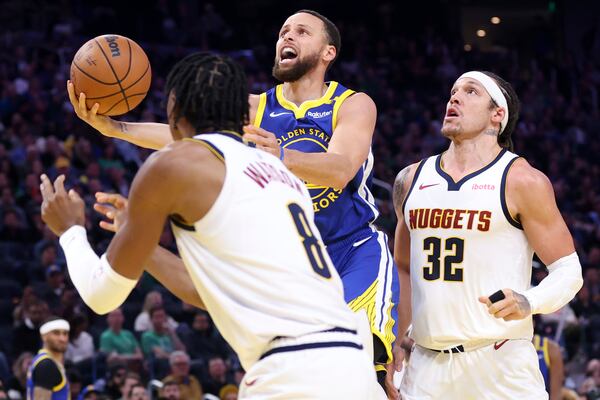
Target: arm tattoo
[(400, 189), (123, 127)]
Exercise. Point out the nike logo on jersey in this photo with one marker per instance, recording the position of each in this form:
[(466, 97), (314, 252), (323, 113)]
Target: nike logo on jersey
[(421, 187), (273, 114), (356, 244), (251, 382), (497, 345)]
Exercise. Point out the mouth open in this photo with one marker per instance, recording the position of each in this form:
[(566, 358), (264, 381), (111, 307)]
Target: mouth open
[(287, 55), (451, 113)]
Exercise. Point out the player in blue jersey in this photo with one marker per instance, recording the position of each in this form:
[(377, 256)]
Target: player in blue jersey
[(322, 131), (46, 378), (551, 365)]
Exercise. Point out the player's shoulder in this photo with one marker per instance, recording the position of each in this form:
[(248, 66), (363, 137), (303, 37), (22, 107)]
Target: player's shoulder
[(523, 177), (403, 182), (253, 99), (359, 100)]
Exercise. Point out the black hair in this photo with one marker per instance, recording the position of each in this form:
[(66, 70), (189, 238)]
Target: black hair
[(211, 92), (154, 309), (333, 34), (514, 106)]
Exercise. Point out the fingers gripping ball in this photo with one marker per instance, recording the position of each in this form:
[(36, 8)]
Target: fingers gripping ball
[(113, 71)]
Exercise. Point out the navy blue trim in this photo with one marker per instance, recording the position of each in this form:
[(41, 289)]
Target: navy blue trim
[(338, 329), (181, 225), (458, 349), (232, 135), (509, 217), (455, 186), (307, 346), (213, 147), (412, 185)]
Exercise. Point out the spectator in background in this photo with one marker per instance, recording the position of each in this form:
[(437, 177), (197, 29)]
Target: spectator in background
[(217, 376), (131, 379), (52, 288), (116, 380), (16, 385), (138, 392), (228, 392), (204, 341), (81, 343), (119, 345), (161, 339), (26, 335), (142, 321), (189, 387), (170, 391), (75, 384)]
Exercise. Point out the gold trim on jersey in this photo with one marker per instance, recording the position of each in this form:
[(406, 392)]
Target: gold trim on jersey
[(209, 146), (300, 111), (541, 344), (366, 301), (46, 356), (336, 107), (260, 110)]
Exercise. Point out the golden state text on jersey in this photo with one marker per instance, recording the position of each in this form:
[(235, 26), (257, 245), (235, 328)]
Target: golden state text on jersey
[(308, 128)]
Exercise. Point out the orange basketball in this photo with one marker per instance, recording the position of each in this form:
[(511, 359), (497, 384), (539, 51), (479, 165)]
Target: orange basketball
[(113, 71)]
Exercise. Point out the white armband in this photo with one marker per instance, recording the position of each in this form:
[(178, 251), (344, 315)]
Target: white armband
[(100, 287), (558, 288)]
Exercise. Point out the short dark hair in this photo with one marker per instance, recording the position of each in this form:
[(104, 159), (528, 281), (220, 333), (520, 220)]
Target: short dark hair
[(333, 34), (135, 386), (154, 309), (514, 107), (211, 92)]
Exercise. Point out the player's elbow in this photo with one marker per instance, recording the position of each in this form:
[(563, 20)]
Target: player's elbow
[(101, 305)]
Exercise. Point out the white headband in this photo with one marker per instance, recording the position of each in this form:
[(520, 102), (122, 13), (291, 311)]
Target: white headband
[(55, 325), (493, 90)]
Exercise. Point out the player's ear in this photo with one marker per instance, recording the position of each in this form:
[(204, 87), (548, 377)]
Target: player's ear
[(498, 114), (329, 53)]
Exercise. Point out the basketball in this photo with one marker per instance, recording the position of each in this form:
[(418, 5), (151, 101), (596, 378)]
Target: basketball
[(113, 71)]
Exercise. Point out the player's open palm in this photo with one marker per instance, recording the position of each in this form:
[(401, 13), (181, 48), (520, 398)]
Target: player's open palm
[(112, 206), (512, 306), (103, 124)]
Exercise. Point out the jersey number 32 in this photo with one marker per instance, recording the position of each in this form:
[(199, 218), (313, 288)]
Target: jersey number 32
[(454, 251)]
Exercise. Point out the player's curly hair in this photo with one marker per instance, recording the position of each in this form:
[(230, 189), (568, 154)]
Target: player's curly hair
[(514, 107), (211, 92)]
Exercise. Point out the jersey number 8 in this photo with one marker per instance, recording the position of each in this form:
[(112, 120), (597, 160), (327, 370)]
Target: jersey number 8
[(312, 245)]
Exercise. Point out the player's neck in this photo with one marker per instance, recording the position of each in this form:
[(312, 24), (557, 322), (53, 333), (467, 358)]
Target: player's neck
[(309, 87), (58, 357), (466, 156)]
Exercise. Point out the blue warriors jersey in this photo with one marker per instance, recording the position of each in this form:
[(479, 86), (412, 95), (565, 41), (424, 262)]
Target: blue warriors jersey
[(308, 128), (541, 347), (60, 391)]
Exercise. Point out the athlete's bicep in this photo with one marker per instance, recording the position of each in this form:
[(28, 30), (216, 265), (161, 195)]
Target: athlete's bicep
[(354, 130), (401, 188), (40, 393), (542, 222), (150, 199)]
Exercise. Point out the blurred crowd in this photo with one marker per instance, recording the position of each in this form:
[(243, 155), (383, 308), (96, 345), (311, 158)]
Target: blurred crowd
[(157, 343)]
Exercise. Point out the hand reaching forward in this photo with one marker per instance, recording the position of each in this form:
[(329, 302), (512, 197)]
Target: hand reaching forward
[(60, 210), (263, 139), (114, 207)]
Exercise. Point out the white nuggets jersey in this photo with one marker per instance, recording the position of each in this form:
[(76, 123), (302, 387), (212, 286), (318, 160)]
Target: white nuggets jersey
[(464, 244), (256, 258)]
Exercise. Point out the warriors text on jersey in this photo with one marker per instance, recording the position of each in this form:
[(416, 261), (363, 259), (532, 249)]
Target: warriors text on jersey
[(308, 128), (464, 244), (256, 258)]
